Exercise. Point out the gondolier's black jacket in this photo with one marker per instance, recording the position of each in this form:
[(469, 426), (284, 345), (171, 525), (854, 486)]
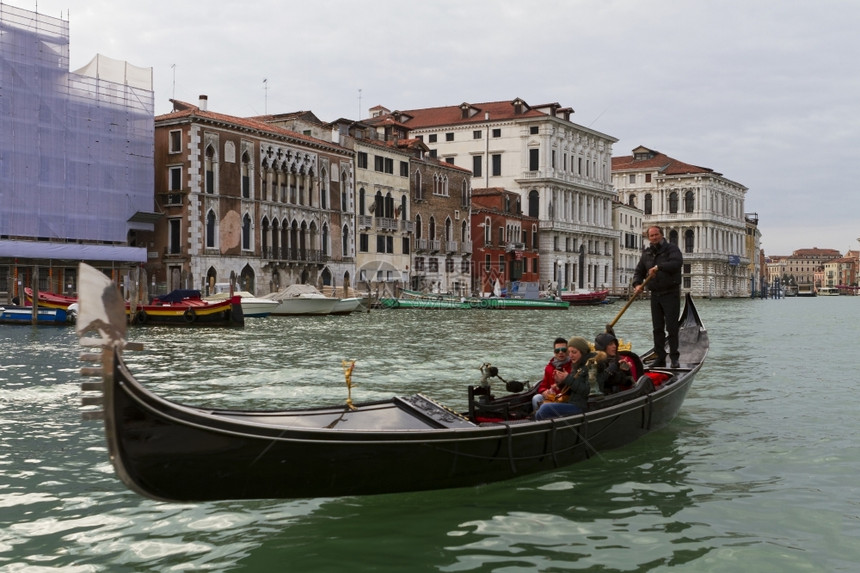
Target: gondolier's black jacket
[(669, 261)]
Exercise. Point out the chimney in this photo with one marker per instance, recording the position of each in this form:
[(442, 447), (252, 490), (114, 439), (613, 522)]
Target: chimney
[(204, 103)]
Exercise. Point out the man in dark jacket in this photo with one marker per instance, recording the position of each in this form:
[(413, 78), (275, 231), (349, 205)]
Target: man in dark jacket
[(662, 262)]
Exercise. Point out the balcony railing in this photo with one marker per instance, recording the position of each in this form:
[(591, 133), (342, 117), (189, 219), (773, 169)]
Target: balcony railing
[(386, 224), (407, 226), (290, 255), (365, 221)]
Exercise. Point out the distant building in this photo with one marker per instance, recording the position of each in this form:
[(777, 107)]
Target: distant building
[(803, 268), (248, 198), (561, 171), (757, 272), (699, 210), (505, 241), (841, 272), (76, 157), (627, 221)]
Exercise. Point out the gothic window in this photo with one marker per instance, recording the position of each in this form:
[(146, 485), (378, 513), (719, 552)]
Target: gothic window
[(246, 233), (210, 230), (648, 205)]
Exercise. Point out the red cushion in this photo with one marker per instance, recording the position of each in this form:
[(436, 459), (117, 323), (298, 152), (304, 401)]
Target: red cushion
[(657, 378)]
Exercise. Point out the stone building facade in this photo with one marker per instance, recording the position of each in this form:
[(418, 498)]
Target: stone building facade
[(699, 210), (561, 171), (505, 241), (243, 197)]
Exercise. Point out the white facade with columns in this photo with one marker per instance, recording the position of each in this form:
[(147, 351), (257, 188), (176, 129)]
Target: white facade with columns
[(561, 170), (699, 210)]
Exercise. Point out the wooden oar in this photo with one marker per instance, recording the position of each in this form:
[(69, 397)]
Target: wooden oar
[(626, 306)]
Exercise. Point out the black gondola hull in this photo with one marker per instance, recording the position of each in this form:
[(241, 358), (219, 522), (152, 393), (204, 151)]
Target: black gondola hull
[(170, 451)]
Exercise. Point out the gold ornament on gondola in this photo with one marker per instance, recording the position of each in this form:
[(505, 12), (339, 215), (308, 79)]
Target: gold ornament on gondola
[(348, 367)]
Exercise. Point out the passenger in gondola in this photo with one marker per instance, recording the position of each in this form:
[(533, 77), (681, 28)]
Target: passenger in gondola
[(618, 369), (560, 361), (574, 388)]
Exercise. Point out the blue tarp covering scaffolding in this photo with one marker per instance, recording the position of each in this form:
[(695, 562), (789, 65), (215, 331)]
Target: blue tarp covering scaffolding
[(76, 148)]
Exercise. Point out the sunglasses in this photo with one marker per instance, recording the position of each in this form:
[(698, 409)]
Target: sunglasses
[(560, 349)]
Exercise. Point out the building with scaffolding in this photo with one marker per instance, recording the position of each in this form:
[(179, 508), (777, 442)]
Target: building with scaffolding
[(76, 157)]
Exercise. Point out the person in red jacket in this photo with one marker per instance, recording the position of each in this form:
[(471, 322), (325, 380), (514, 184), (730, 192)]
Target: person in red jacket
[(560, 361)]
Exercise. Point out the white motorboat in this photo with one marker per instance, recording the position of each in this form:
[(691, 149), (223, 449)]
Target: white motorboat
[(252, 306), (347, 305), (301, 299)]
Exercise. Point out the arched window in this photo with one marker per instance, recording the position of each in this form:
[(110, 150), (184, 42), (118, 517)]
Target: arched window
[(673, 202), (673, 237), (688, 241), (361, 205), (264, 235), (343, 197), (210, 230), (345, 241), (389, 206), (431, 231), (418, 234), (246, 176), (378, 208), (209, 168), (324, 240), (632, 200), (488, 231), (419, 190), (324, 189), (449, 232), (689, 202), (464, 231), (648, 205), (534, 204), (246, 232), (404, 215)]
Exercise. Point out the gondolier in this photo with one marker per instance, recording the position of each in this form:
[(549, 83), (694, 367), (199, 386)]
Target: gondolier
[(661, 264)]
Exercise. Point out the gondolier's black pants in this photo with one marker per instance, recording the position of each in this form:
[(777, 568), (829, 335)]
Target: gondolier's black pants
[(665, 308)]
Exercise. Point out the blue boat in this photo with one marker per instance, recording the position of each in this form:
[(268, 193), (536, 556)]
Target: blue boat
[(44, 316)]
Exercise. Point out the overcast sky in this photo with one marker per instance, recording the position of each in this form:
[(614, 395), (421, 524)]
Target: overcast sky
[(760, 91)]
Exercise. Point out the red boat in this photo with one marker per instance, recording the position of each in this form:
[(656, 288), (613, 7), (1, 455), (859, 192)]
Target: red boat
[(50, 299), (584, 298), (183, 307)]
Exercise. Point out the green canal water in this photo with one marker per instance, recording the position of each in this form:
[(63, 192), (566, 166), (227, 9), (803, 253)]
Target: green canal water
[(757, 473)]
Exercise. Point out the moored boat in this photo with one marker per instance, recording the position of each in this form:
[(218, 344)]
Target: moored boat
[(13, 314), (414, 299), (49, 299), (296, 300), (185, 307), (252, 306), (585, 298), (176, 452)]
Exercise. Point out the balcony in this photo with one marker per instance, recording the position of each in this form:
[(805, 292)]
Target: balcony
[(289, 255), (451, 246), (407, 226), (386, 224), (365, 221)]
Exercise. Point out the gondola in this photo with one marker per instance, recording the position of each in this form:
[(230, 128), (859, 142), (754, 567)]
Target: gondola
[(173, 452)]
